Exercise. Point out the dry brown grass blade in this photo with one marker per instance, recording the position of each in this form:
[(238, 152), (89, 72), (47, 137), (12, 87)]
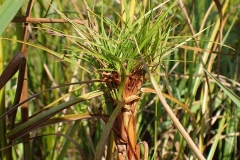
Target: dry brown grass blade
[(150, 90), (11, 69), (18, 62), (146, 149), (219, 8), (45, 20), (69, 118), (198, 49), (175, 120)]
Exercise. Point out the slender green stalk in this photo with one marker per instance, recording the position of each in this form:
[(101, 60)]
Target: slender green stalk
[(222, 125), (111, 147), (3, 140), (63, 152), (156, 124)]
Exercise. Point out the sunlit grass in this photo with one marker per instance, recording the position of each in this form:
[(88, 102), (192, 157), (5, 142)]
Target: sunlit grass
[(104, 49)]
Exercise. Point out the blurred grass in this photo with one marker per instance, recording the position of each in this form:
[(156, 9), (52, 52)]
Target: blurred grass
[(154, 125)]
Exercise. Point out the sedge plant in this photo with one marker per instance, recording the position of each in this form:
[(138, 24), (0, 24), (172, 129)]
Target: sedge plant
[(118, 57), (117, 53)]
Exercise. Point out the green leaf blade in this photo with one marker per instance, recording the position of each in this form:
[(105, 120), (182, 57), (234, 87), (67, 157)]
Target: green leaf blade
[(7, 12)]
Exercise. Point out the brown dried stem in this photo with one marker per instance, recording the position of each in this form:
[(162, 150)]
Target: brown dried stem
[(44, 20)]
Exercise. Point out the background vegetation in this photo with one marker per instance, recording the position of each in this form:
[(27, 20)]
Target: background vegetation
[(57, 55)]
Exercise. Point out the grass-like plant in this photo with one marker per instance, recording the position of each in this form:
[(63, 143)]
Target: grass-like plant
[(130, 70), (117, 53)]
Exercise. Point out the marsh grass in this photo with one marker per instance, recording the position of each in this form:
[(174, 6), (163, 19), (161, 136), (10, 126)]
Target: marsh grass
[(103, 57)]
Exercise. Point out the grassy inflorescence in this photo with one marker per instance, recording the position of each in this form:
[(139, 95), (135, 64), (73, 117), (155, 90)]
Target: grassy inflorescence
[(119, 77)]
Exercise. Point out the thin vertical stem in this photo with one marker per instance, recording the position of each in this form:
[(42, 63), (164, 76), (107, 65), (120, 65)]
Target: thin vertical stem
[(2, 110), (24, 95)]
